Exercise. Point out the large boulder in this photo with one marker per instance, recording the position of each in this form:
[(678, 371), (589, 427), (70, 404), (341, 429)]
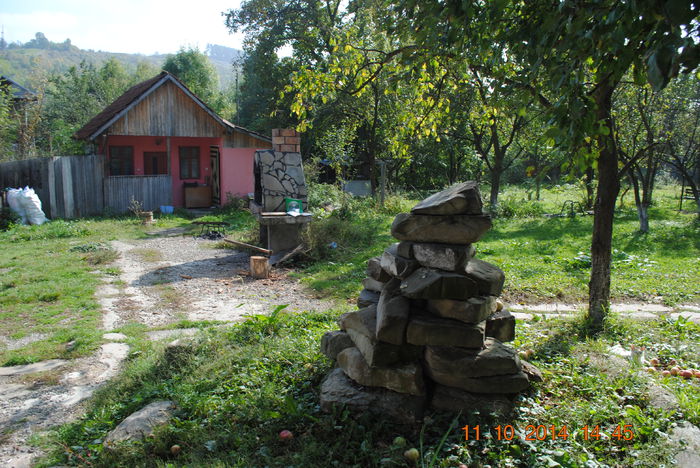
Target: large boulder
[(453, 229), (392, 314), (141, 424), (396, 265), (454, 399), (493, 359), (425, 283), (333, 342), (473, 310), (432, 331), (489, 278), (405, 378), (463, 198), (447, 257), (338, 390)]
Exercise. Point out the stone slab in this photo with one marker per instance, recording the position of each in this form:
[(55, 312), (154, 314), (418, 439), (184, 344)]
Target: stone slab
[(473, 310), (687, 438), (501, 325), (396, 265), (392, 314), (372, 284), (23, 369), (338, 390), (333, 342), (447, 257), (432, 331), (454, 399), (375, 271), (456, 229), (361, 326), (512, 383), (405, 378), (451, 362), (367, 298), (426, 283), (463, 198), (489, 278), (532, 372)]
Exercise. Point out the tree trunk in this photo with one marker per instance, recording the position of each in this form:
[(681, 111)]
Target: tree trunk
[(604, 210), (590, 175), (641, 203), (495, 187)]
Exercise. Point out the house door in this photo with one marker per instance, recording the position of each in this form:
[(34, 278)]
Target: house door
[(215, 176)]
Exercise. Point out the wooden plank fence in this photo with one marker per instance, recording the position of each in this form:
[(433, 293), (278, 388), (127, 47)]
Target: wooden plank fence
[(151, 191), (75, 186)]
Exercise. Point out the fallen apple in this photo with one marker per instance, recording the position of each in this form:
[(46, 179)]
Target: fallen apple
[(400, 441), (672, 362), (651, 370), (675, 370), (175, 449), (286, 435), (686, 374), (654, 362), (666, 373), (411, 454)]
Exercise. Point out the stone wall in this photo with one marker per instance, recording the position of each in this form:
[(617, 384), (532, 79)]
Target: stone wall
[(278, 175), (430, 330)]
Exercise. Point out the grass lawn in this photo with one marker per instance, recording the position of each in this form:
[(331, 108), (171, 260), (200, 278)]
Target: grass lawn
[(238, 386)]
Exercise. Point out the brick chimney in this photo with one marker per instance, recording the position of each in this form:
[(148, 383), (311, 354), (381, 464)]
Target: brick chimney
[(286, 140)]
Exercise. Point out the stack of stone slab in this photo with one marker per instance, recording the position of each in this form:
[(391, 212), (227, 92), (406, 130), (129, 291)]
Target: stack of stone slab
[(430, 329)]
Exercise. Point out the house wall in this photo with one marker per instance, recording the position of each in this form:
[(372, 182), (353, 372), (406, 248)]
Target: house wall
[(143, 144), (237, 172)]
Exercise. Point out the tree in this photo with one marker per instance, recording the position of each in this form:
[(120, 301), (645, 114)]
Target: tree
[(194, 69)]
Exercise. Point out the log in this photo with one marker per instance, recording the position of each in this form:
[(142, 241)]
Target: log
[(259, 267), (248, 246)]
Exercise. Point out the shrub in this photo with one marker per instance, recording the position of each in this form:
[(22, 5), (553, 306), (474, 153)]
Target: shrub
[(8, 218), (513, 207)]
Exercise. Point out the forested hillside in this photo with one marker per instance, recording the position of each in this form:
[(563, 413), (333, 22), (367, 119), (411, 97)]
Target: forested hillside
[(22, 61)]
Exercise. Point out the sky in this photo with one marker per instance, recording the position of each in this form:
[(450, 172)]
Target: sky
[(130, 26)]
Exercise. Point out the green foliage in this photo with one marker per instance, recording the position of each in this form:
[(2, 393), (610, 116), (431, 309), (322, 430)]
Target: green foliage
[(8, 218), (194, 69)]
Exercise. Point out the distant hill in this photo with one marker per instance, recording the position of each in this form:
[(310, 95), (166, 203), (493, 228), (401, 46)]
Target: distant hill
[(18, 61)]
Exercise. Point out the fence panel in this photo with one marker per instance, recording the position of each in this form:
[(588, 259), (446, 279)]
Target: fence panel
[(151, 191)]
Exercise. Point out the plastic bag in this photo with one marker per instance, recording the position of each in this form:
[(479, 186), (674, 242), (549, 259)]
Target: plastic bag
[(32, 206), (14, 199)]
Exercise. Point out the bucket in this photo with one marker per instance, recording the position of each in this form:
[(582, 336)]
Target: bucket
[(166, 209)]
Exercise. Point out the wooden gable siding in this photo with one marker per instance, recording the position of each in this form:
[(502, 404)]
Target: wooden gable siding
[(243, 140), (167, 111)]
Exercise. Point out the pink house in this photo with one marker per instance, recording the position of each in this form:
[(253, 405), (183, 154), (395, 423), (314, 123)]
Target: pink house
[(159, 129)]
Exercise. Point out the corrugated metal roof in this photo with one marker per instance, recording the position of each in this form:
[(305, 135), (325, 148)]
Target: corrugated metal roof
[(110, 114)]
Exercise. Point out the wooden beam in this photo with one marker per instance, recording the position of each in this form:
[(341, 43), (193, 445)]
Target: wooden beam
[(248, 246)]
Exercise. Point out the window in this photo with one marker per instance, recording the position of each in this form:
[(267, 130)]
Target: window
[(121, 160), (155, 163), (189, 162)]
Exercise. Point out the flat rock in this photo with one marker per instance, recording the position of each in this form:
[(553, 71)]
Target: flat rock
[(455, 399), (392, 314), (425, 283), (532, 372), (447, 257), (375, 270), (114, 336), (42, 366), (338, 390), (406, 378), (493, 359), (501, 325), (361, 326), (463, 198), (140, 424), (489, 278), (659, 397), (453, 229), (687, 437), (473, 310), (333, 342), (367, 298), (372, 284), (405, 249), (512, 383), (432, 331), (396, 265)]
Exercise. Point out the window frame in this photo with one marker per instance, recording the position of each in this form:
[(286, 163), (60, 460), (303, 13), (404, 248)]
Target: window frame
[(121, 158), (190, 162)]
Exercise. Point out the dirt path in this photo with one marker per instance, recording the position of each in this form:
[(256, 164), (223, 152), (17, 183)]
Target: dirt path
[(161, 280)]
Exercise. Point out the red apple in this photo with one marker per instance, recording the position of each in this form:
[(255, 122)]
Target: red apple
[(654, 362), (675, 370), (686, 374), (286, 435), (175, 449), (666, 373)]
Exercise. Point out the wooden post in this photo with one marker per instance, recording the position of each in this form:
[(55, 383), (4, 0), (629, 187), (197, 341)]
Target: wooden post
[(259, 267)]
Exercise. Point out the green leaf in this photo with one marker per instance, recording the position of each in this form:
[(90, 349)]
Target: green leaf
[(679, 12)]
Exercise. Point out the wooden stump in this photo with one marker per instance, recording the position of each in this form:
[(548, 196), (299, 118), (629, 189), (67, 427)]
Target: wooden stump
[(259, 267)]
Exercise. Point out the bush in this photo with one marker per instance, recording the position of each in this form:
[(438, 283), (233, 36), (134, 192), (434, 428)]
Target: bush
[(8, 218), (513, 207)]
